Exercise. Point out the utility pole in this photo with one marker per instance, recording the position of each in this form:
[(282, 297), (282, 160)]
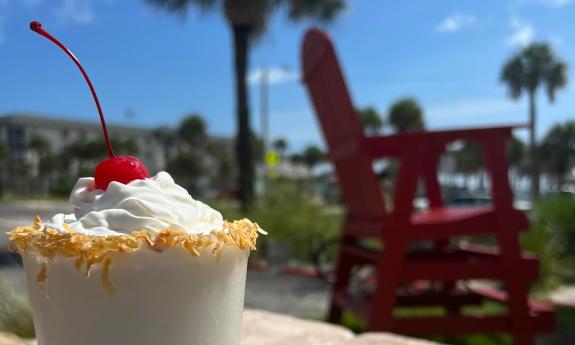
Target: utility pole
[(264, 80), (264, 125), (264, 110)]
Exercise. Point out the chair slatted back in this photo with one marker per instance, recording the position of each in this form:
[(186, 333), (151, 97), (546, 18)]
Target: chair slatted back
[(341, 128)]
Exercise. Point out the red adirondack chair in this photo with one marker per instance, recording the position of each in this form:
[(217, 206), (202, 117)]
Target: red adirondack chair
[(448, 264)]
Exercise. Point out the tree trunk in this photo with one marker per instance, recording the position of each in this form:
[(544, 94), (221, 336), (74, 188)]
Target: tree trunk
[(514, 179), (560, 181), (534, 166), (244, 153)]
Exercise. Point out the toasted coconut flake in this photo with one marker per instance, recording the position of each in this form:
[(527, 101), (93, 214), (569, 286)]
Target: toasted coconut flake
[(37, 223), (90, 250), (78, 263), (41, 277), (106, 276)]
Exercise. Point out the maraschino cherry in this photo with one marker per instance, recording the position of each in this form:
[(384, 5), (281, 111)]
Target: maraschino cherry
[(123, 169)]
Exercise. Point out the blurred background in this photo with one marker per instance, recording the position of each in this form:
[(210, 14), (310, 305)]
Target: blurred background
[(211, 92)]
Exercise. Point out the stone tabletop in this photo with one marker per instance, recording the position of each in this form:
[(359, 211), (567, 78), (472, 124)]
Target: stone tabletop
[(266, 328)]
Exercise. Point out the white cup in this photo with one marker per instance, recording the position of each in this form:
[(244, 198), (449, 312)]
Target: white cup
[(161, 298)]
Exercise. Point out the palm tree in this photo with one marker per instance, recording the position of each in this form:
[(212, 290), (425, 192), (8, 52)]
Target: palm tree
[(405, 115), (84, 153), (296, 158), (311, 155), (188, 167), (515, 151), (186, 164), (257, 147), (526, 71), (45, 161), (248, 19), (192, 130), (168, 139), (3, 157), (221, 177), (468, 161), (3, 151), (281, 146), (558, 151), (370, 120), (127, 146), (516, 155), (39, 145)]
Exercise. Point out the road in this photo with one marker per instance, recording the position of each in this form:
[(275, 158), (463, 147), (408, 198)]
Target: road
[(16, 213)]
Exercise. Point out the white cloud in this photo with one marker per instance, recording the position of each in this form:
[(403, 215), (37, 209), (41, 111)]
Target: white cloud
[(456, 22), (556, 41), (522, 35), (484, 110), (275, 75), (75, 11), (551, 3)]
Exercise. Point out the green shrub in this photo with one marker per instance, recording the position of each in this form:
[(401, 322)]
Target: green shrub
[(15, 314), (290, 212), (476, 339), (62, 186), (552, 237)]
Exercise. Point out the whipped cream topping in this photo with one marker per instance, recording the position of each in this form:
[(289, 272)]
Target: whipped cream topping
[(153, 204)]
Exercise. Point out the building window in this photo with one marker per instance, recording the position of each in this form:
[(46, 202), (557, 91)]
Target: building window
[(65, 134), (16, 142)]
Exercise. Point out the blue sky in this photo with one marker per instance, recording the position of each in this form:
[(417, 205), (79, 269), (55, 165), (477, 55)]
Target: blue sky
[(447, 54)]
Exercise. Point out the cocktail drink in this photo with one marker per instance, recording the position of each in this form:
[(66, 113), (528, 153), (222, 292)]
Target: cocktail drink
[(140, 262)]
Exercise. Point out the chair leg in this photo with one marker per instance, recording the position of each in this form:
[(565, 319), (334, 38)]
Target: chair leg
[(446, 287), (335, 313), (508, 238), (388, 280), (335, 310), (343, 273), (521, 329), (451, 308), (516, 287), (523, 339)]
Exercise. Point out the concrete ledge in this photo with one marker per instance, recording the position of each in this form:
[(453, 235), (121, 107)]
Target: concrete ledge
[(266, 328), (9, 339), (387, 339)]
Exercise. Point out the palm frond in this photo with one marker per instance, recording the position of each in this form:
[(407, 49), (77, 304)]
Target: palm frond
[(181, 6), (322, 10), (555, 78), (536, 59), (252, 13), (513, 75), (536, 64), (256, 13)]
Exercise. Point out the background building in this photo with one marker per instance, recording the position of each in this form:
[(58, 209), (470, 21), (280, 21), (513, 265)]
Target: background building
[(45, 155), (17, 131)]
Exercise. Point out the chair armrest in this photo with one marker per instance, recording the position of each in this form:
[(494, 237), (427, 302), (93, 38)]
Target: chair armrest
[(390, 146), (479, 134)]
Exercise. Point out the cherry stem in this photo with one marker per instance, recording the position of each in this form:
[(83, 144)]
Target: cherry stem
[(37, 28)]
